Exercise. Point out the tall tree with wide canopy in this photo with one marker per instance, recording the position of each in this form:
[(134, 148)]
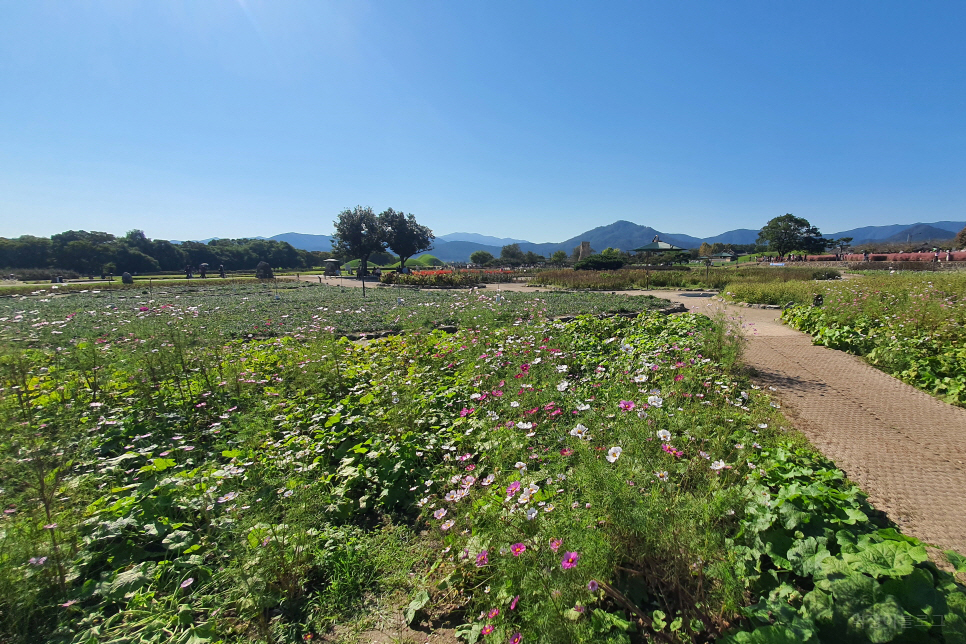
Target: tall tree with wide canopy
[(788, 232), (404, 236), (359, 234)]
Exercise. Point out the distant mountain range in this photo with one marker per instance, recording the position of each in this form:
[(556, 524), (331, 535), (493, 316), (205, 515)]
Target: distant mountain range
[(626, 235)]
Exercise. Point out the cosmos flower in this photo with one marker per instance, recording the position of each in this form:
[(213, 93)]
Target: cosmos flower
[(613, 454)]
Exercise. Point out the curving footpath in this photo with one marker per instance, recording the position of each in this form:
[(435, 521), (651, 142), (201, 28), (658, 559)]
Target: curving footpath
[(904, 448)]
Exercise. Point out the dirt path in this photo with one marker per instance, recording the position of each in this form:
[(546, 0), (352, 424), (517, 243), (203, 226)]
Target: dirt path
[(906, 449)]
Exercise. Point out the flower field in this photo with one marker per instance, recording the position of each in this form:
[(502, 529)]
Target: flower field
[(696, 277), (171, 474)]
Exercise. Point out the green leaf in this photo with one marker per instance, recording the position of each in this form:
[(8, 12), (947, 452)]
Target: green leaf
[(233, 453), (957, 560), (658, 622), (917, 593), (470, 632), (421, 599), (177, 540), (602, 621), (886, 559), (806, 556)]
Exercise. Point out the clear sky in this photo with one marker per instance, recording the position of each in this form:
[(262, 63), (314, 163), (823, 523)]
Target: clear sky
[(533, 119)]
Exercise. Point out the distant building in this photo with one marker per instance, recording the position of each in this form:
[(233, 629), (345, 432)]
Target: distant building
[(726, 256)]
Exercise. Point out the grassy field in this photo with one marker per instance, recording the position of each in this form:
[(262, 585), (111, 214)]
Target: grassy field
[(218, 466), (717, 278)]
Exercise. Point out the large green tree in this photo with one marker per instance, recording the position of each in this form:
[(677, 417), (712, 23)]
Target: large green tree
[(358, 234), (512, 255), (481, 257), (404, 236), (788, 233)]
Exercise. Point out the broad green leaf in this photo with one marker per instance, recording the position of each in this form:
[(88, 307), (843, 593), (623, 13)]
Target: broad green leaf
[(177, 540), (886, 559), (806, 556)]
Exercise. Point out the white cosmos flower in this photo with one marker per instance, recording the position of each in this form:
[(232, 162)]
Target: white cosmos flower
[(641, 377), (488, 479), (521, 466), (579, 431), (562, 368), (718, 465), (655, 401), (662, 475), (532, 514), (563, 385), (583, 407), (664, 435), (524, 425), (514, 404), (613, 454)]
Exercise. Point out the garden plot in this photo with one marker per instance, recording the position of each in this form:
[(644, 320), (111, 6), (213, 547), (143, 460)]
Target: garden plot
[(166, 477)]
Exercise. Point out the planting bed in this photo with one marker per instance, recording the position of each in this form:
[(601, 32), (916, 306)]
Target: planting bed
[(910, 325), (167, 478)]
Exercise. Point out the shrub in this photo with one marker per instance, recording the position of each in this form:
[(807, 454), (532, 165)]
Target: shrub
[(126, 278), (263, 271), (827, 274), (599, 263)]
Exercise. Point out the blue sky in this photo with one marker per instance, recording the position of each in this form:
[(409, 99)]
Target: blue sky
[(529, 119)]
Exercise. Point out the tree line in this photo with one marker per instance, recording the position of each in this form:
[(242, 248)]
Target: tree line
[(94, 253)]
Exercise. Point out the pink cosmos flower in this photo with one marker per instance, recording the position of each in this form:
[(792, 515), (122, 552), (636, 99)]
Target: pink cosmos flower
[(569, 560), (487, 629), (518, 549), (493, 613), (482, 559), (187, 582), (626, 405), (516, 639), (513, 604), (555, 544), (513, 488), (593, 586)]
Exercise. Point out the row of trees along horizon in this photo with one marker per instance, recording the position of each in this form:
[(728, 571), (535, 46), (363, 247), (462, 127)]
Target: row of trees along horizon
[(359, 234)]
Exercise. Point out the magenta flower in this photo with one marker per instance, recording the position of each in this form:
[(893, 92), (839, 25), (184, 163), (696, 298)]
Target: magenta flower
[(593, 586), (518, 549), (513, 488), (493, 613), (482, 559), (513, 604), (187, 582), (566, 451), (516, 639), (569, 560), (487, 629), (626, 405), (555, 544)]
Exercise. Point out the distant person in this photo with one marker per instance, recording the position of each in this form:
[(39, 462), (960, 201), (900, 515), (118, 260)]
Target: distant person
[(204, 271), (221, 271)]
